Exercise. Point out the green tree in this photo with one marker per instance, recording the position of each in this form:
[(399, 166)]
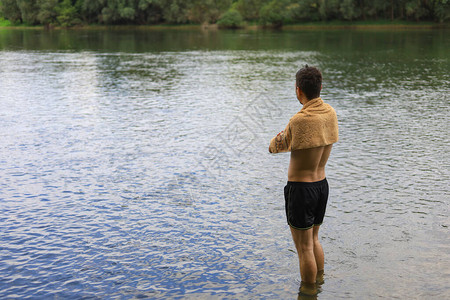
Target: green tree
[(231, 19), (274, 13), (118, 12), (208, 11), (306, 10), (442, 11), (68, 13), (11, 11), (436, 10), (47, 11), (149, 12), (91, 10), (29, 10), (349, 10), (374, 9), (175, 11), (329, 9), (414, 10), (249, 9)]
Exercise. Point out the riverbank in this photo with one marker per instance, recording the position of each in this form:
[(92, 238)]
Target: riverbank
[(395, 25), (359, 25)]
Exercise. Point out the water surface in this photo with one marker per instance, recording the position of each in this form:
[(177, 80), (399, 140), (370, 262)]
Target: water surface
[(134, 163)]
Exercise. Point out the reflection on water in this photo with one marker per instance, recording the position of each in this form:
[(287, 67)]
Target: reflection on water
[(308, 291), (126, 167)]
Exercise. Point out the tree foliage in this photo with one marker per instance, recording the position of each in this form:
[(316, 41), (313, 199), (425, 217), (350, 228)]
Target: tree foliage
[(10, 10), (231, 19), (235, 12), (274, 13), (29, 10)]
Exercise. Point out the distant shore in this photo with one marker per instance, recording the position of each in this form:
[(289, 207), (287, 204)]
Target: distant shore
[(367, 25), (358, 25)]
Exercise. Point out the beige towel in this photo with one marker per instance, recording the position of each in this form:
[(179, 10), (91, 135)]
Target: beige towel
[(315, 125)]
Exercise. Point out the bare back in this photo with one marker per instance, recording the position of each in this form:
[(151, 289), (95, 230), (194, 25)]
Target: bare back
[(308, 165)]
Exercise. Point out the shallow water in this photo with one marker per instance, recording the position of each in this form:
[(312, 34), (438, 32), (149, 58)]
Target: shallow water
[(134, 163)]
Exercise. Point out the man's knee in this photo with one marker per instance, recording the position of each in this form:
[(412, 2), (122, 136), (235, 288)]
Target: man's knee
[(306, 248), (305, 245), (316, 241)]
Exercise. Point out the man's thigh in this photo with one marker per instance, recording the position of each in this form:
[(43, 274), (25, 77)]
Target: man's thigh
[(303, 238)]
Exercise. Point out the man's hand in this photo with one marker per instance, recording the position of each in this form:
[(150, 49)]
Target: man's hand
[(279, 143)]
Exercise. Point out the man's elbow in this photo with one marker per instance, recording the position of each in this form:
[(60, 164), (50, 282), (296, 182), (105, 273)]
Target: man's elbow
[(272, 146), (273, 149)]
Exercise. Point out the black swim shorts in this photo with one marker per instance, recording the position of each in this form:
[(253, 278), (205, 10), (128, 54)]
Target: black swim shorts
[(305, 203)]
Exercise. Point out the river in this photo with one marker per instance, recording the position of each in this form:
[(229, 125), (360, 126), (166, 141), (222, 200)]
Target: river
[(134, 163)]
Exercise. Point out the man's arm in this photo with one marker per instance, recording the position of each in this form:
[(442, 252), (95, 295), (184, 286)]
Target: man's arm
[(282, 141), (276, 144)]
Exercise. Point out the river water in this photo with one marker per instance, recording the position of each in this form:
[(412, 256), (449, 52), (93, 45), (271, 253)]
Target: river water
[(134, 163)]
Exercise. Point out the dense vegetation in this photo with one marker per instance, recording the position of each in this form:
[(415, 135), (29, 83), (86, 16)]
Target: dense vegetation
[(226, 13)]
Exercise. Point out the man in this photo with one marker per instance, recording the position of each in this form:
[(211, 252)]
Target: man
[(309, 137)]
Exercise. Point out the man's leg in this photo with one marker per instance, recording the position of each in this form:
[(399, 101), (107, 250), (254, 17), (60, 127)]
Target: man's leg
[(304, 243), (318, 250), (318, 254)]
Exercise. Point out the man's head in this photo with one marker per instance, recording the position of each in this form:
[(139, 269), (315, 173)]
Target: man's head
[(309, 81)]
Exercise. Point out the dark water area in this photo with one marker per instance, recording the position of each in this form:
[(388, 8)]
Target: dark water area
[(134, 163), (120, 39)]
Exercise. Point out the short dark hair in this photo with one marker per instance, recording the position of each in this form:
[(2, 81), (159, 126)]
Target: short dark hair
[(309, 80)]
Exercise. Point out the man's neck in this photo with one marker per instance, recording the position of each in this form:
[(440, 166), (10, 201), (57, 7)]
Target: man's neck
[(304, 100), (310, 102)]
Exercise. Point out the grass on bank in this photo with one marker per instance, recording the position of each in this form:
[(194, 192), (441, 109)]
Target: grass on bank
[(4, 23), (8, 24)]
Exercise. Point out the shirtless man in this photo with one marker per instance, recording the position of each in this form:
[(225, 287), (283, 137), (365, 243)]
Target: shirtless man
[(309, 137)]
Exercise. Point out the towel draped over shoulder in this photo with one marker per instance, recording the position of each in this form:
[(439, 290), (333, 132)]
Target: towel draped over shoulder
[(315, 125)]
